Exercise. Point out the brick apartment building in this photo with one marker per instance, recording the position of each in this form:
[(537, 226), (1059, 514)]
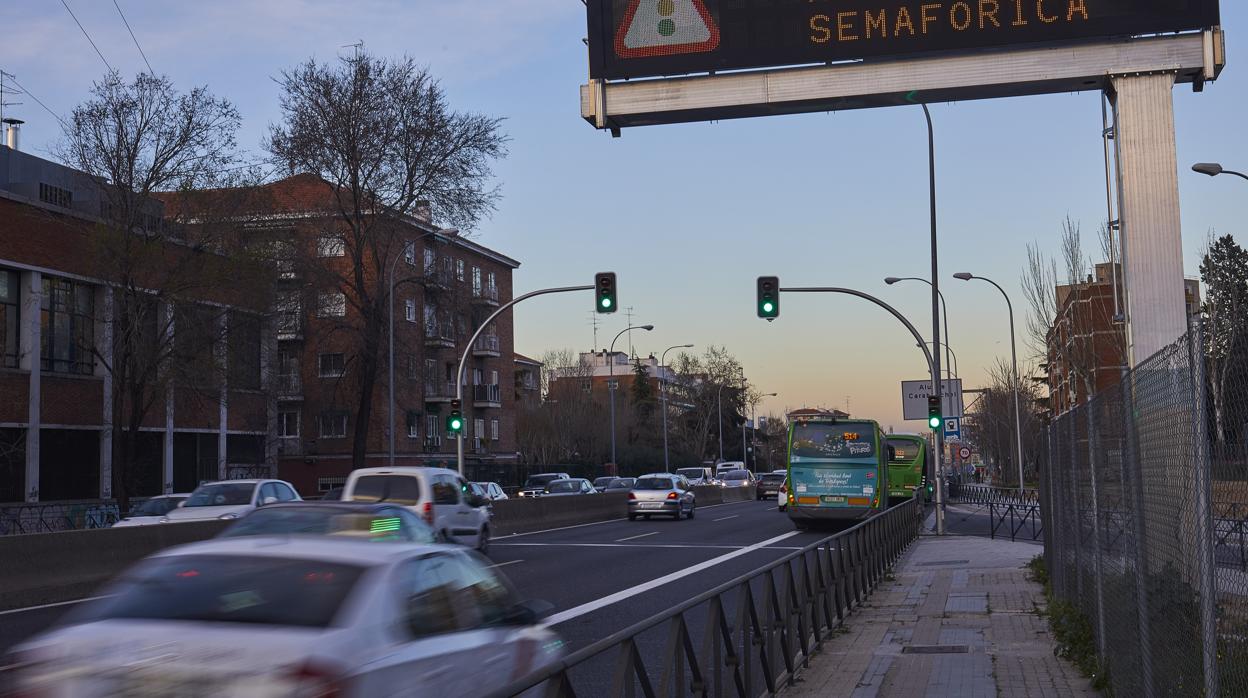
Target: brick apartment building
[(56, 411), (595, 371), (1086, 338), (528, 380), (446, 286)]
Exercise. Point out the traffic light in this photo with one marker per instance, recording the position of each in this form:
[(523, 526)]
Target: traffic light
[(934, 420), (769, 297), (455, 420), (604, 292)]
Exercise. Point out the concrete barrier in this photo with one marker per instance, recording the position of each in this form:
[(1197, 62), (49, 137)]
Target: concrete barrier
[(521, 515)]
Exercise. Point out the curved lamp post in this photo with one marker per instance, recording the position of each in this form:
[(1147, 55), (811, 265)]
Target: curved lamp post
[(611, 378), (1213, 169), (944, 310), (1018, 428), (667, 466)]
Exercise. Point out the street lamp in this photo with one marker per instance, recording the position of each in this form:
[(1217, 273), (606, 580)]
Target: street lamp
[(944, 310), (1018, 428), (1213, 169), (410, 245), (754, 420), (948, 352), (611, 379), (667, 465)]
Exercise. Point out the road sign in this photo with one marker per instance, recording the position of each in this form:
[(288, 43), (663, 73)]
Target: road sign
[(964, 453), (953, 429), (914, 398), (651, 38)]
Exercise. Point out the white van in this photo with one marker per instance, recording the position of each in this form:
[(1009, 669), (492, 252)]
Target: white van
[(440, 496), (727, 466)]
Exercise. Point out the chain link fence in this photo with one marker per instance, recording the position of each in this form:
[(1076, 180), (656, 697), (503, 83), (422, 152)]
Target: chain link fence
[(1144, 535)]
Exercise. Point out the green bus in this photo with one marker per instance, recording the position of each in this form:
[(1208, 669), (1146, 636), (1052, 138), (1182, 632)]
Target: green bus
[(907, 466), (838, 470)]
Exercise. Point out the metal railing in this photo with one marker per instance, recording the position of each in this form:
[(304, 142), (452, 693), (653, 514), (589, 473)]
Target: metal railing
[(485, 293), (487, 393), (747, 637), (985, 494), (1015, 521), (487, 343)]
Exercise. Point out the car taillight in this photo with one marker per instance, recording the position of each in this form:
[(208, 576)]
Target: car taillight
[(313, 680), (427, 513), (632, 496), (671, 495)]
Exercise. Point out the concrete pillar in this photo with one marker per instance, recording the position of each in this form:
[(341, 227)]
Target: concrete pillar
[(167, 460), (104, 345), (1148, 204), (30, 354)]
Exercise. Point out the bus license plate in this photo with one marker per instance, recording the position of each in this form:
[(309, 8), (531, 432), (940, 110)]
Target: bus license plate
[(828, 499)]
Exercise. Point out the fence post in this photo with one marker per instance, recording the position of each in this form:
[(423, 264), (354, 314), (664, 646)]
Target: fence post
[(1133, 477), (1097, 569), (1074, 498), (1204, 515)]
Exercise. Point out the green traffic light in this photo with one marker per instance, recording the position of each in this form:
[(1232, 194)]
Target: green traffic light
[(606, 302), (768, 307), (933, 422), (456, 424)]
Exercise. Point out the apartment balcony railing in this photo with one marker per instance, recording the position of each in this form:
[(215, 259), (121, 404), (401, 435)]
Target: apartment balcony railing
[(289, 386), (439, 392), (433, 444), (487, 345), (480, 445), (438, 276), (487, 396), (487, 295), (439, 336)]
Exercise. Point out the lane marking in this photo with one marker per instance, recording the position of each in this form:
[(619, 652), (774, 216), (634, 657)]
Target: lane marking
[(618, 596), (642, 535), (596, 523), (726, 518), (624, 545), (50, 605), (504, 564)]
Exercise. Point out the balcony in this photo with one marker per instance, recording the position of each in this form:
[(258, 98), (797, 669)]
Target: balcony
[(480, 445), (439, 392), (487, 396), (439, 336), (433, 444), (289, 326), (487, 295), (289, 386), (486, 345), (438, 276)]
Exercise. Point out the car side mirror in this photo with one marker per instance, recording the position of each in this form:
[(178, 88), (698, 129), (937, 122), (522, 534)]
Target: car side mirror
[(528, 612)]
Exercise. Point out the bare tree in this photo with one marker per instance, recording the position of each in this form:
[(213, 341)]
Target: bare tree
[(696, 386), (134, 141), (381, 133), (991, 420)]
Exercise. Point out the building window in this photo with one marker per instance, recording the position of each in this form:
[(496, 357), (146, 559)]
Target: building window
[(493, 430), (493, 377), (289, 312), (288, 424), (333, 425), (413, 367), (243, 345), (413, 424), (587, 386), (331, 304), (331, 365), (409, 310), (409, 253), (476, 281), (68, 326), (431, 428), (331, 245), (55, 195), (9, 293), (491, 283), (288, 382), (478, 428), (459, 269)]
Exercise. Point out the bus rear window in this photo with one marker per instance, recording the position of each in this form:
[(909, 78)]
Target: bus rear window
[(903, 451), (821, 440)]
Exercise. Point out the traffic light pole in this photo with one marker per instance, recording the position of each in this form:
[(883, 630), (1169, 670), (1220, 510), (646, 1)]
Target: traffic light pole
[(463, 360), (931, 365)]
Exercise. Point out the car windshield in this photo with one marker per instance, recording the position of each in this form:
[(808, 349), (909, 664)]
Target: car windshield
[(772, 479), (395, 489), (603, 481), (736, 475), (331, 521), (540, 480), (222, 494), (621, 483), (903, 450), (564, 486), (828, 441), (155, 507), (653, 483), (692, 473), (230, 589)]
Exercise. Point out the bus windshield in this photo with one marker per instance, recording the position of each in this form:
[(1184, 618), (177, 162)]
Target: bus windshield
[(904, 451), (827, 441)]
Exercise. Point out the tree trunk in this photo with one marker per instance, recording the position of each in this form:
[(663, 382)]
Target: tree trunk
[(368, 384), (121, 493)]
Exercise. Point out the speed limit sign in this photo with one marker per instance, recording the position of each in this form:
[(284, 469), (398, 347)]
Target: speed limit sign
[(964, 453)]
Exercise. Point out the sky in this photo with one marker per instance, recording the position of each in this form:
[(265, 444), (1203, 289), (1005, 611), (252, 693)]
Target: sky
[(688, 215)]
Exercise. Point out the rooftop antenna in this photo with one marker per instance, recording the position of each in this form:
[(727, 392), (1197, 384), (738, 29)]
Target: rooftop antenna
[(593, 320), (13, 90), (358, 46), (629, 314)]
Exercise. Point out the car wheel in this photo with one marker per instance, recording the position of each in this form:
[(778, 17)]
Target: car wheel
[(483, 540), (632, 517), (692, 508)]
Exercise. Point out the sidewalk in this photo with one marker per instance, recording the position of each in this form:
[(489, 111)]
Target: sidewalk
[(958, 620)]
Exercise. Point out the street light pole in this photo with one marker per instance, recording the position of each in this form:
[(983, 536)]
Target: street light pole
[(954, 361), (1018, 428), (935, 282), (667, 465), (944, 309), (611, 379)]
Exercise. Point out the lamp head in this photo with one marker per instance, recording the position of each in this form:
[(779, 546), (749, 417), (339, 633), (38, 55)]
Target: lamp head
[(686, 346), (647, 327), (891, 280), (1212, 169), (964, 275)]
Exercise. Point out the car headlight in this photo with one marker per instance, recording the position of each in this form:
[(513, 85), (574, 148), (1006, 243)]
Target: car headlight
[(228, 517)]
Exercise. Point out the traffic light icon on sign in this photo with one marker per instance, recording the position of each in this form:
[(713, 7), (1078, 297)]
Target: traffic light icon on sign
[(934, 419), (769, 297), (604, 292)]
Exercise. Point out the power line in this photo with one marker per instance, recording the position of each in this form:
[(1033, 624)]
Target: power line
[(28, 93), (132, 36), (84, 33)]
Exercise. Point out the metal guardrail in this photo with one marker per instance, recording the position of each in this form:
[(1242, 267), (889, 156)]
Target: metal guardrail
[(780, 614), (984, 494), (1020, 521)]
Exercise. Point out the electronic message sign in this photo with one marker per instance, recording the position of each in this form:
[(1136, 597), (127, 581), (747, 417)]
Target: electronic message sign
[(648, 38)]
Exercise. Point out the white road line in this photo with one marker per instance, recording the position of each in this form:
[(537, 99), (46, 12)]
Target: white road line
[(623, 545), (49, 605), (726, 518), (618, 596), (642, 535), (504, 564), (596, 523)]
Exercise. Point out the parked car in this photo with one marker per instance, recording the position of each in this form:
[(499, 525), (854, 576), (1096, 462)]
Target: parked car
[(738, 478), (698, 476), (439, 496), (769, 485), (663, 494), (333, 495), (621, 484), (536, 484), (493, 491), (372, 522), (293, 616), (152, 510), (230, 499), (600, 483), (575, 485)]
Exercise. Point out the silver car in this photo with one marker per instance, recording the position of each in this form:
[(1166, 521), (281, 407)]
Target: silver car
[(662, 494), (574, 485)]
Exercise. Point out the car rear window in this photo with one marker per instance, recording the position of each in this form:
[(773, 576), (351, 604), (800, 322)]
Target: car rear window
[(396, 489), (772, 479), (230, 589), (653, 483), (540, 480), (692, 473), (564, 486), (736, 475)]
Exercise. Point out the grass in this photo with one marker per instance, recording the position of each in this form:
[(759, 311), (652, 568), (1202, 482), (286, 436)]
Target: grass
[(1073, 631)]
